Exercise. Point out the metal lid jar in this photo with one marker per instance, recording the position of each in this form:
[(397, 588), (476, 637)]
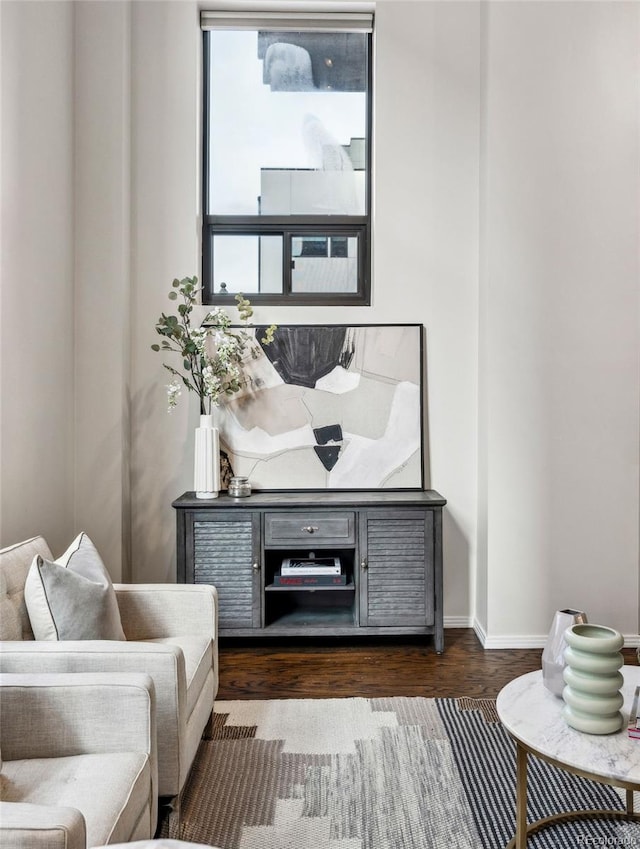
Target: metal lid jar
[(239, 487)]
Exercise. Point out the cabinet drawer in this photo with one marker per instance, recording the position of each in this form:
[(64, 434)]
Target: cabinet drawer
[(309, 528)]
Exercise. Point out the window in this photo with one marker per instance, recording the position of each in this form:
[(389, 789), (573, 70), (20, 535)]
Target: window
[(287, 152)]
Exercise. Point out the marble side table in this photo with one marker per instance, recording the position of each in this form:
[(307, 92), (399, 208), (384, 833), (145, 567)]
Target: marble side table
[(533, 717)]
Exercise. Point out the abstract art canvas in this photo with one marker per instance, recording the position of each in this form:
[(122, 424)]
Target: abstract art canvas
[(336, 407)]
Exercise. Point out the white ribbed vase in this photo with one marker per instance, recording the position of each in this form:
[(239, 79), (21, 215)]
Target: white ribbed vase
[(206, 462), (592, 693)]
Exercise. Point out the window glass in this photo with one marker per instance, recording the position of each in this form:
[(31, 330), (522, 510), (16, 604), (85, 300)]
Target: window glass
[(286, 174), (247, 264), (314, 269), (288, 117), (309, 246)]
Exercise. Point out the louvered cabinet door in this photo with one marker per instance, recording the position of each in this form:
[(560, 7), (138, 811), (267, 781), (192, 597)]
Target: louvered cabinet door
[(396, 568), (226, 553)]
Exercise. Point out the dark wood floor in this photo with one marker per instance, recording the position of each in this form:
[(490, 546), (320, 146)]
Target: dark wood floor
[(386, 667)]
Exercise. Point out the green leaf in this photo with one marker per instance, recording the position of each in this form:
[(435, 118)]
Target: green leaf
[(173, 296), (187, 365), (175, 283), (155, 347)]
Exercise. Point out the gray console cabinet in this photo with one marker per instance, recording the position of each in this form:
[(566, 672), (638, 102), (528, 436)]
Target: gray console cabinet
[(389, 544)]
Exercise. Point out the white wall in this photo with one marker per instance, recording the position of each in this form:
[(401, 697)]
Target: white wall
[(166, 51), (426, 232), (559, 328), (36, 266), (506, 221), (102, 328)]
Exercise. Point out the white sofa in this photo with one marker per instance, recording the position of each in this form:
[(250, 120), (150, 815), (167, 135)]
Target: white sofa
[(171, 634), (79, 760)]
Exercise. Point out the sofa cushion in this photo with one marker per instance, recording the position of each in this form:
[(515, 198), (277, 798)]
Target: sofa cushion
[(15, 563), (72, 598), (110, 790), (198, 661)]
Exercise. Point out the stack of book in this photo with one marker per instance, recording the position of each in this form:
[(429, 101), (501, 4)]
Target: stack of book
[(310, 572), (633, 729)]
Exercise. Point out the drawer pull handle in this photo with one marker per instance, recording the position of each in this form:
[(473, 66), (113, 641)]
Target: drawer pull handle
[(256, 566), (310, 529), (364, 564)]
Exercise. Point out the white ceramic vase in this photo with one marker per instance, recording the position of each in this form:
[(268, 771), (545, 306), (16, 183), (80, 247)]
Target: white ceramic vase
[(553, 662), (592, 693), (206, 464)]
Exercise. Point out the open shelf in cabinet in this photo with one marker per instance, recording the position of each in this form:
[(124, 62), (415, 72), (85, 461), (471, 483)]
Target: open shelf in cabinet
[(273, 561), (315, 610), (316, 606)]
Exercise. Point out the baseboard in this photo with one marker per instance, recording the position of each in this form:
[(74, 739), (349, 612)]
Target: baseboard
[(481, 634), (515, 641), (522, 641), (458, 622)]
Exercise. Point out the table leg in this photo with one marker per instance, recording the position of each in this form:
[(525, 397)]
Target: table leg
[(521, 798), (523, 828), (630, 802)]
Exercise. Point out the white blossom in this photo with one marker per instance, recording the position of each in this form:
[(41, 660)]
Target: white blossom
[(199, 337), (212, 383), (174, 391), (218, 317)]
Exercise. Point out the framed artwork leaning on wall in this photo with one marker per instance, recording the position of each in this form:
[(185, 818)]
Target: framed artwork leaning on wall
[(335, 407)]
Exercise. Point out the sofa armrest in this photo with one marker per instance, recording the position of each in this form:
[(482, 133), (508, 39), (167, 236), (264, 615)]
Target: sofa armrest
[(149, 611), (164, 663), (51, 715), (27, 826)]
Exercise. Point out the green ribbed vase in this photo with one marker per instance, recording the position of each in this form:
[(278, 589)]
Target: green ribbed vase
[(592, 679)]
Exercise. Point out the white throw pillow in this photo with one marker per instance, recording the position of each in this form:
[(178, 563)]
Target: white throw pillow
[(72, 598)]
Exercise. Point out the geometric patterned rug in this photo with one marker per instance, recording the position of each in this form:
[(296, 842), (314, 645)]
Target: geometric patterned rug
[(394, 773)]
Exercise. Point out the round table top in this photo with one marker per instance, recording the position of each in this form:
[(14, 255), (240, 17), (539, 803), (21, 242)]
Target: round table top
[(533, 715)]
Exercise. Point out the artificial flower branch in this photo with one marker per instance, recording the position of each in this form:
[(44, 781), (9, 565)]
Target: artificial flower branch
[(211, 354)]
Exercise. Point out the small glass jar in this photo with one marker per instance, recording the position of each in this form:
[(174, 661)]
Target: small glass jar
[(239, 487)]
